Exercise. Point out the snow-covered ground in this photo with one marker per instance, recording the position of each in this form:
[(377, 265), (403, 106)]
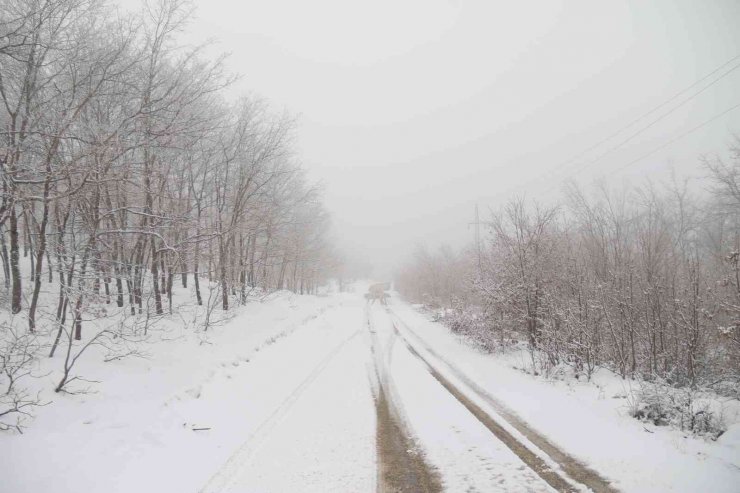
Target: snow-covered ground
[(590, 420), (136, 431), (320, 435), (284, 396)]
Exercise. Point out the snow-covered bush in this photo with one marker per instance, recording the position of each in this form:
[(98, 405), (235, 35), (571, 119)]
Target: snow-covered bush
[(479, 328), (473, 326), (685, 408)]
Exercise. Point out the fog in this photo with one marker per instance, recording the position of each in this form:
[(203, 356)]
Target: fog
[(353, 245), (410, 113)]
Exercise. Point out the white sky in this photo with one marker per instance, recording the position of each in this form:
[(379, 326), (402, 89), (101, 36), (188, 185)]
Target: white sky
[(411, 111)]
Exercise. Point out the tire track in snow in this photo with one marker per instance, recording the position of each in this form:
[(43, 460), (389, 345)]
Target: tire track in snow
[(539, 458), (224, 477), (401, 466)]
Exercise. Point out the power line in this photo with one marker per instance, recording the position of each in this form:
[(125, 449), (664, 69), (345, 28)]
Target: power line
[(653, 122), (677, 138), (668, 143), (653, 110), (645, 115)]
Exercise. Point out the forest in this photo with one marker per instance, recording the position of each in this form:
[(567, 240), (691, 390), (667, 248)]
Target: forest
[(641, 280), (128, 169)]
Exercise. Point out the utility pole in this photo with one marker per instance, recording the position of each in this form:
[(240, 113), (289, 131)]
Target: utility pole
[(476, 223)]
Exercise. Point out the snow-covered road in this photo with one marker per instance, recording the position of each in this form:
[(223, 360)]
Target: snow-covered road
[(360, 411), (465, 454), (335, 394), (320, 437)]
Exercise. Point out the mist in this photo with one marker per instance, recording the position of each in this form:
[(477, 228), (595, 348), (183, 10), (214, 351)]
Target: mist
[(411, 113), (369, 246)]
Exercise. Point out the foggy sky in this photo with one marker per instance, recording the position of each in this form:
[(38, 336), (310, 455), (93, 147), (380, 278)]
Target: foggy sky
[(412, 111)]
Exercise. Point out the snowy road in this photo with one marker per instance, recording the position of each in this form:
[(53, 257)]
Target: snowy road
[(320, 436), (359, 409), (332, 394)]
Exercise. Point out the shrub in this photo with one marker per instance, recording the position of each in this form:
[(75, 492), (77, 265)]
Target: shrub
[(685, 408)]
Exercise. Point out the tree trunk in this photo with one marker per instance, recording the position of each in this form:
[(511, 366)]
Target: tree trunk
[(14, 259), (40, 250), (6, 263), (155, 280), (224, 286)]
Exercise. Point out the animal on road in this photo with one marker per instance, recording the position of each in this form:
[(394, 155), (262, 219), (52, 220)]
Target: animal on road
[(378, 292)]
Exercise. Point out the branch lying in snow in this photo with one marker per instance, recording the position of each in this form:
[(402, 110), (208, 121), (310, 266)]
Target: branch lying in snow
[(130, 353)]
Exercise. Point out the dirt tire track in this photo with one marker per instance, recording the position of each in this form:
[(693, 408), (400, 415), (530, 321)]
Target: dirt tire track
[(573, 468), (401, 464), (401, 467)]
